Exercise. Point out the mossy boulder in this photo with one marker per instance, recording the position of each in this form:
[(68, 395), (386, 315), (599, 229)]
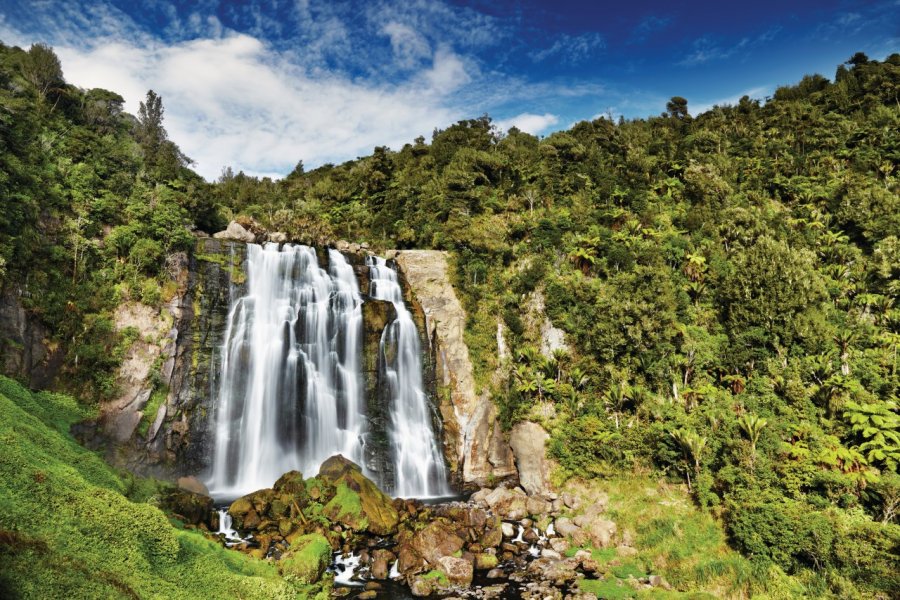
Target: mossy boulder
[(247, 512), (306, 559), (357, 503), (188, 506)]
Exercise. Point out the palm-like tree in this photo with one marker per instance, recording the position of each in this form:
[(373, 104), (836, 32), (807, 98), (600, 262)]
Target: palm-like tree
[(752, 426), (616, 398), (692, 446)]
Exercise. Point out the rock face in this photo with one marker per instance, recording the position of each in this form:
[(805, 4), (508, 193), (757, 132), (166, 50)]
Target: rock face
[(171, 362), (473, 443), (26, 350), (528, 441)]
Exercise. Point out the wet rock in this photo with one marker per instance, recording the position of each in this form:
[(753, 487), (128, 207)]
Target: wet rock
[(485, 562), (457, 570), (420, 587), (278, 237), (358, 503), (509, 530), (192, 508), (368, 595), (496, 574), (381, 563)]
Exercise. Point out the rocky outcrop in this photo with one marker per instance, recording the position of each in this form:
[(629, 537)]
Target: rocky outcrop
[(158, 421), (473, 442), (27, 350), (236, 232), (529, 444)]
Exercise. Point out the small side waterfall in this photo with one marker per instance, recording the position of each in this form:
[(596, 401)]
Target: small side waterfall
[(419, 465), (290, 391)]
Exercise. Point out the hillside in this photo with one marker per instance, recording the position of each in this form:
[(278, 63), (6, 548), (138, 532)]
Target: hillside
[(724, 287)]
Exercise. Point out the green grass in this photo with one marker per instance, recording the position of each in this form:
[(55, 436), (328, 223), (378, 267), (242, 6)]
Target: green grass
[(678, 541), (67, 529), (606, 589)]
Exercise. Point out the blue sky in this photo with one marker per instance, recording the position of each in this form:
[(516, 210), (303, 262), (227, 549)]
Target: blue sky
[(259, 85)]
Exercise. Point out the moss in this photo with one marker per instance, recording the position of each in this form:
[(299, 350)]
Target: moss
[(307, 558), (148, 415), (346, 507), (438, 576), (68, 530)]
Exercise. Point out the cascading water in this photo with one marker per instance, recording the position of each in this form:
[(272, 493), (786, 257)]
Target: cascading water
[(418, 463), (290, 394)]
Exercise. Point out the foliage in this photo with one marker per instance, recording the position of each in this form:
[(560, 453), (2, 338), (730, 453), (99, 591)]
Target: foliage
[(67, 530)]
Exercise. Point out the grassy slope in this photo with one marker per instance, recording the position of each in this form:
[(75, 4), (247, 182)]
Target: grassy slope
[(68, 530), (676, 540)]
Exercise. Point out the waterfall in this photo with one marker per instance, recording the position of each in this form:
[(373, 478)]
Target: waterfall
[(418, 461), (289, 392)]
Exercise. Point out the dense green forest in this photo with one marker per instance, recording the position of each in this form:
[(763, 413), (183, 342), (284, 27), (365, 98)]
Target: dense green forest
[(728, 282)]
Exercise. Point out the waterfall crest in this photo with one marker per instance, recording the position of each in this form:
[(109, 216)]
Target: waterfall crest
[(290, 392)]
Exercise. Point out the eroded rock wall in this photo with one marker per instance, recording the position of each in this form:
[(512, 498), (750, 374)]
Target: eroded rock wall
[(473, 441)]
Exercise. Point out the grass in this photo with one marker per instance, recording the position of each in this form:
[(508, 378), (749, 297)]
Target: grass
[(67, 529), (676, 540)]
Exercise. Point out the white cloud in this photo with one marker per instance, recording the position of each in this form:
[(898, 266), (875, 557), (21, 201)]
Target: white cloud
[(232, 101), (408, 45), (572, 48), (529, 123)]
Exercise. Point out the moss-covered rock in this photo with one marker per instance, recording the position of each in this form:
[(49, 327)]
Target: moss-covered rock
[(190, 507), (306, 559), (357, 502)]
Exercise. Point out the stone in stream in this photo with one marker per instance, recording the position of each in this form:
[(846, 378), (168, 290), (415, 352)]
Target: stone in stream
[(457, 570)]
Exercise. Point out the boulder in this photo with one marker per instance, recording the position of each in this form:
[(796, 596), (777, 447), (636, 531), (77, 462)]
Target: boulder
[(565, 527), (436, 540), (237, 233), (358, 503), (192, 484), (537, 506), (306, 559), (479, 498), (457, 570), (192, 508), (381, 563), (278, 237), (528, 441), (421, 586), (509, 504), (601, 532), (509, 530), (485, 561)]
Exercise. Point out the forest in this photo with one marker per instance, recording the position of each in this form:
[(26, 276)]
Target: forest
[(727, 283)]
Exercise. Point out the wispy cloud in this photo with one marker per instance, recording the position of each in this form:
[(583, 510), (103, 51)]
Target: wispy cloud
[(705, 49), (571, 49), (649, 25)]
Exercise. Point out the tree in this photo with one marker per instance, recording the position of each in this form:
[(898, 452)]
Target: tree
[(42, 69), (692, 446), (162, 158), (677, 107), (752, 426)]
